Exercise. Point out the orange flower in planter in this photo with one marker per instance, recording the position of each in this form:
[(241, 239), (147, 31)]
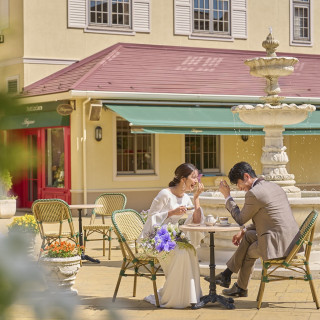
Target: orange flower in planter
[(62, 249)]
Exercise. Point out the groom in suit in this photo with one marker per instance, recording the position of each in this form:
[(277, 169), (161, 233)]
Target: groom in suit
[(272, 234)]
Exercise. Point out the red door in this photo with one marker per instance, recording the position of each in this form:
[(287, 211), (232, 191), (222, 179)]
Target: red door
[(47, 173), (55, 164)]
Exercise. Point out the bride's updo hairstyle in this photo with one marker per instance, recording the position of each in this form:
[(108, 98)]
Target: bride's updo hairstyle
[(183, 171)]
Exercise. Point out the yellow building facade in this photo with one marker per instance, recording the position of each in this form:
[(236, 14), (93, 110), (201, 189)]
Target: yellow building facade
[(41, 37)]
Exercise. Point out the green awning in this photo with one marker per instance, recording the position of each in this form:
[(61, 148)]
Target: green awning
[(199, 120), (33, 116)]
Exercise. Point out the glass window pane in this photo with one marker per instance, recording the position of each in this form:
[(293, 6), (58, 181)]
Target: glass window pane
[(134, 151), (55, 158)]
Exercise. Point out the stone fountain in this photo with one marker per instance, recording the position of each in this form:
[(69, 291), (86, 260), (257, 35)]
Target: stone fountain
[(273, 115)]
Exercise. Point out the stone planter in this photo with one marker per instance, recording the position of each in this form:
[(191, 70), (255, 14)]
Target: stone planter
[(61, 273), (8, 208)]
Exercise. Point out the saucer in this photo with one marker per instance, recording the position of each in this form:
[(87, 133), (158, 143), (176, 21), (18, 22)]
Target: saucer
[(223, 225)]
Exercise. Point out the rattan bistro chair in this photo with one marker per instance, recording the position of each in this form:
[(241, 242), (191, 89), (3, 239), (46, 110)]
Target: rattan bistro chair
[(48, 212), (110, 202), (296, 263), (128, 225)]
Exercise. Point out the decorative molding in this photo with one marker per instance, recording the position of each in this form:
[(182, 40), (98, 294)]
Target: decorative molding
[(10, 62)]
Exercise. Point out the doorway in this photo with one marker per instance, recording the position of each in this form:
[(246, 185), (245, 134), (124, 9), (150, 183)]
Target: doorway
[(46, 174)]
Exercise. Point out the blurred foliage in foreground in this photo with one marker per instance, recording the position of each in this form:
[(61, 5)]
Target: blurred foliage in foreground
[(12, 154)]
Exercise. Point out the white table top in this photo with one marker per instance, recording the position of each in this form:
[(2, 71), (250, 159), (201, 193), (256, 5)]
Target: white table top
[(216, 228), (85, 206)]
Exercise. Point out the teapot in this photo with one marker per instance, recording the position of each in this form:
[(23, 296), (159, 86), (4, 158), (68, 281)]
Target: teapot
[(210, 220)]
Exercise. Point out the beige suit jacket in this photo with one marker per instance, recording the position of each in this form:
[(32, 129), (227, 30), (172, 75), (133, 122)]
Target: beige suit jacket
[(268, 207)]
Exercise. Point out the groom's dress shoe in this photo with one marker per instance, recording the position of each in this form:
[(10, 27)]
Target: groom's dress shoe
[(221, 280), (235, 291)]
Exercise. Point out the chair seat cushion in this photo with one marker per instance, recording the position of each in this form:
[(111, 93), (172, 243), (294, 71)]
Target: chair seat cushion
[(295, 260), (94, 227)]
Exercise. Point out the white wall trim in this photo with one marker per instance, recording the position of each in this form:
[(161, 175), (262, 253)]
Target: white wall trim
[(140, 177), (10, 62)]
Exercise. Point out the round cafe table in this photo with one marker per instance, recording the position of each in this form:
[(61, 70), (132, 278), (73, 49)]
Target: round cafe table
[(80, 207), (212, 296)]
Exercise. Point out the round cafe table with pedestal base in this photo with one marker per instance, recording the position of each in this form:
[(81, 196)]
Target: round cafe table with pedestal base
[(80, 207), (212, 296)]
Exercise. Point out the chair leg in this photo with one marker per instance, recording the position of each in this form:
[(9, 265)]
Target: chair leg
[(104, 243), (313, 291), (261, 288), (154, 282), (110, 239), (135, 282), (85, 241), (122, 271)]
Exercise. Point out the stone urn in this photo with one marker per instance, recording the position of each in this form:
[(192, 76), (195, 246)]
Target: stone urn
[(8, 208), (61, 273)]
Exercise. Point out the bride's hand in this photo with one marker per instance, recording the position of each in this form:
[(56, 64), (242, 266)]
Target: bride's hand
[(177, 211), (199, 190)]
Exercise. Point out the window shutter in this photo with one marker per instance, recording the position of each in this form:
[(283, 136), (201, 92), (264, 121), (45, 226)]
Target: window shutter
[(239, 19), (182, 17), (141, 15), (77, 13)]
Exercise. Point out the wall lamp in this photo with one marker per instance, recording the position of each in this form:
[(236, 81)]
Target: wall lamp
[(244, 138), (98, 133)]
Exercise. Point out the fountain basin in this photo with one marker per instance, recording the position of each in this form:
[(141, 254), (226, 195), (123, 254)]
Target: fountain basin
[(269, 115), (271, 66)]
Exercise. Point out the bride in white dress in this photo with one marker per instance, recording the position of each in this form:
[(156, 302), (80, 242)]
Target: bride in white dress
[(181, 267)]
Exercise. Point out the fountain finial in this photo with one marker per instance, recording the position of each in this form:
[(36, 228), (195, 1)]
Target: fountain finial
[(270, 44)]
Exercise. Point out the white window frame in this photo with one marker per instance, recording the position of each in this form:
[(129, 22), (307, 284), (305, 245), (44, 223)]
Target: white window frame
[(184, 21), (141, 175), (300, 42), (212, 32), (109, 25), (18, 84), (140, 21), (207, 170)]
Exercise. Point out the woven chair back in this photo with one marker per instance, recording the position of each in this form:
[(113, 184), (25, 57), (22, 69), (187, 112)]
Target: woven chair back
[(306, 235), (128, 223), (110, 202), (128, 226), (51, 210)]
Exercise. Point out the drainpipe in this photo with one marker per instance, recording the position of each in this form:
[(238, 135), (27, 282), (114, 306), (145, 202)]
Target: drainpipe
[(84, 152)]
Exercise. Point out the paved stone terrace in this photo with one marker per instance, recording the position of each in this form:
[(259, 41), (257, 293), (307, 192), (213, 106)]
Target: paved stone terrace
[(96, 282)]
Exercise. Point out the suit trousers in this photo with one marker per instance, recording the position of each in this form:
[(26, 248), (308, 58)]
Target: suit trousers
[(244, 258)]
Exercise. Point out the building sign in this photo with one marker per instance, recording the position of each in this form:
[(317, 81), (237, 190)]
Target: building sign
[(26, 122), (34, 108), (64, 109)]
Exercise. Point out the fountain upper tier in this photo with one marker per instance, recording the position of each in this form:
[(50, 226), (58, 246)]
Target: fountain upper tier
[(270, 115)]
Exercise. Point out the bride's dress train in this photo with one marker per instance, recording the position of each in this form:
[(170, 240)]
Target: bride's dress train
[(182, 285)]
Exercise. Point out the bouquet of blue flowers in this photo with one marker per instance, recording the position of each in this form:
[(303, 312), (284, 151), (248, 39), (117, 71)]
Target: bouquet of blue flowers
[(165, 238)]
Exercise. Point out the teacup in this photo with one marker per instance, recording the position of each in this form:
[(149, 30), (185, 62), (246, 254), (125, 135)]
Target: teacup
[(224, 220)]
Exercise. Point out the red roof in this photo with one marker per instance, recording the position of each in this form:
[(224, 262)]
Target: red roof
[(181, 70)]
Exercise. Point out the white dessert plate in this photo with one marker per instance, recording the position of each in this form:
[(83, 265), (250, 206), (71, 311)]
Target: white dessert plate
[(223, 225)]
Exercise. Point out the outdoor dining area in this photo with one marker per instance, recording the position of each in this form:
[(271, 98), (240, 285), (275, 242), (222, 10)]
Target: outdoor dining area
[(109, 275)]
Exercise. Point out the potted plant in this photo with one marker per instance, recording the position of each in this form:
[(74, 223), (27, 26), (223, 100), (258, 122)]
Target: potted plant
[(61, 262), (8, 204), (27, 227)]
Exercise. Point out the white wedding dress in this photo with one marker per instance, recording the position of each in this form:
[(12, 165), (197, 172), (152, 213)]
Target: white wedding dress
[(180, 266)]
